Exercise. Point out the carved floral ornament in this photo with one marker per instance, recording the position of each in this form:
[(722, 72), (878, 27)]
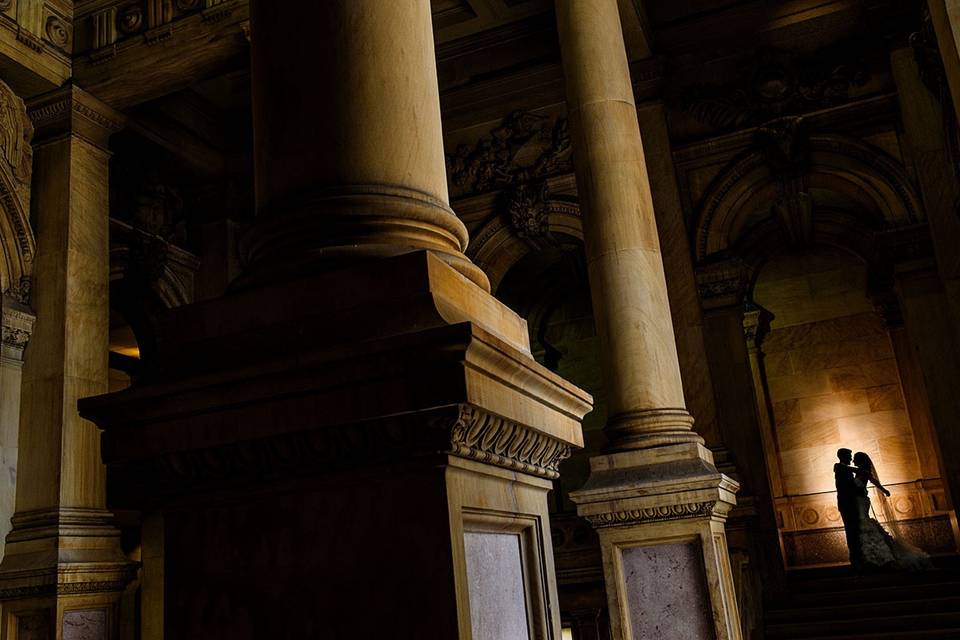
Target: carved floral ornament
[(523, 148)]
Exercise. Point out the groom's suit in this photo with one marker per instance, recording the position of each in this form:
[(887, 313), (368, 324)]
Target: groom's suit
[(847, 492)]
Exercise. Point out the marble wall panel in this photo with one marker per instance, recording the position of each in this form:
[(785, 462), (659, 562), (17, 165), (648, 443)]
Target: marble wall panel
[(662, 580), (498, 607)]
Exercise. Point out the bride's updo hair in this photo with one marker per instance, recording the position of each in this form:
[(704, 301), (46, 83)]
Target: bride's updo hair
[(862, 460)]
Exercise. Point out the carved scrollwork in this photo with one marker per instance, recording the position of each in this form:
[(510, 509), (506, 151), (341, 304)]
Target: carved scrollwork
[(494, 440), (652, 514)]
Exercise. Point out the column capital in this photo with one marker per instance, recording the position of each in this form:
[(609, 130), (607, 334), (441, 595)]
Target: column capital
[(721, 283), (18, 323), (756, 325), (70, 110)]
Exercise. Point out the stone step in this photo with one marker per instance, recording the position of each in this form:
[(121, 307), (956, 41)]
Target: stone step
[(929, 634), (884, 593), (868, 608), (859, 628), (845, 580)]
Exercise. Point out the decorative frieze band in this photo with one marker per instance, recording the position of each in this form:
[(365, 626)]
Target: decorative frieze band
[(464, 431), (491, 439), (653, 514)]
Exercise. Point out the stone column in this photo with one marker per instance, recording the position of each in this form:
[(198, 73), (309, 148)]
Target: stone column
[(731, 329), (356, 441), (926, 316), (62, 565), (366, 172), (18, 323), (926, 141), (915, 398), (657, 500), (698, 388), (945, 16)]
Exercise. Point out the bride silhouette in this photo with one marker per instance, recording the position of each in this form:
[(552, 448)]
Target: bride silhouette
[(879, 547)]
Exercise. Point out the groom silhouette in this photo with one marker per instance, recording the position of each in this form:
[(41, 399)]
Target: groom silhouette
[(847, 492)]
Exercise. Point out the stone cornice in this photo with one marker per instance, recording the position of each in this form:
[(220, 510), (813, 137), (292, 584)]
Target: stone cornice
[(72, 111)]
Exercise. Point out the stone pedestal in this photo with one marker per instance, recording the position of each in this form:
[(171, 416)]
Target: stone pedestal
[(62, 569), (389, 450), (660, 514)]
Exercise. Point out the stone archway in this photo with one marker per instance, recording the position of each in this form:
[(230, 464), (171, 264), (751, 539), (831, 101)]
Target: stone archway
[(797, 195)]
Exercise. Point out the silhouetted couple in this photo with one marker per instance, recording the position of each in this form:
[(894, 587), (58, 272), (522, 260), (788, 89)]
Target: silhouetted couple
[(871, 546)]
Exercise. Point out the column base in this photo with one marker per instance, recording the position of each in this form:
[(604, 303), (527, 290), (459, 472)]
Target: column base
[(63, 574), (660, 515)]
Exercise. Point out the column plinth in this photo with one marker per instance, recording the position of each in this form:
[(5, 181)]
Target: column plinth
[(658, 493)]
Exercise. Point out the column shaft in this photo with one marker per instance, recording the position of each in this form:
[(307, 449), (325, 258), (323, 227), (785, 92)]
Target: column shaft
[(657, 500), (631, 308)]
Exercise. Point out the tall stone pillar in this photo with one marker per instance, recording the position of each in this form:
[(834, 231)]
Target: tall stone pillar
[(18, 323), (945, 16), (926, 139), (926, 316), (657, 500), (62, 566), (355, 441)]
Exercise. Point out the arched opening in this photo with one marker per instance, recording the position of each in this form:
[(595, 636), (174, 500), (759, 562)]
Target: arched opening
[(829, 371), (833, 380)]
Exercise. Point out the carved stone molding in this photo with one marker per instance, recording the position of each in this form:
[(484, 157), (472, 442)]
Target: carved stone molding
[(653, 514), (491, 439), (71, 110)]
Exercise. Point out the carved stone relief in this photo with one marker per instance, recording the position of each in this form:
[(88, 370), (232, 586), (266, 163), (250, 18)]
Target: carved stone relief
[(772, 83), (524, 147)]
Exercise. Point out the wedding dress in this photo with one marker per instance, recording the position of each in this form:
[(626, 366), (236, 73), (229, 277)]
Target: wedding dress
[(879, 547)]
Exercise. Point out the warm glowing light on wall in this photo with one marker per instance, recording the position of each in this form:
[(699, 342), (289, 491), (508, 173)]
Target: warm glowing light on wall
[(566, 633), (133, 352)]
